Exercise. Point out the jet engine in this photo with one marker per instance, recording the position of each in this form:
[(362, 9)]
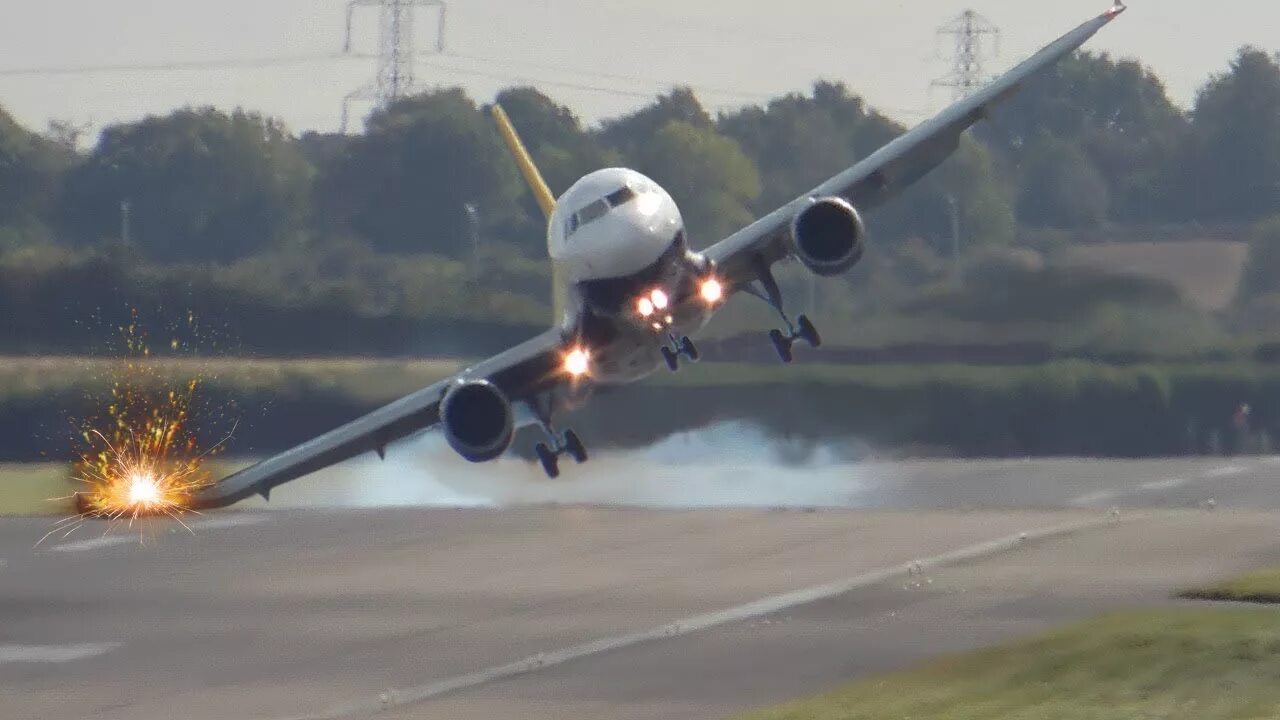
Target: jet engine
[(478, 421), (828, 236)]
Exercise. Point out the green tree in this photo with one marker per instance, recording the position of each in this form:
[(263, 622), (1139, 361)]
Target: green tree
[(1262, 270), (31, 173), (405, 184), (627, 133), (1233, 164), (1117, 113), (709, 176), (562, 148), (798, 141), (1060, 187), (200, 185)]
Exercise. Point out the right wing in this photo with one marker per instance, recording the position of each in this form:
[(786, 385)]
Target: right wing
[(523, 372), (892, 168)]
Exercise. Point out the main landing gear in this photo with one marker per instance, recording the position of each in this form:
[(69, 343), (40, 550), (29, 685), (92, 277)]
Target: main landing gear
[(678, 346), (801, 329), (558, 444)]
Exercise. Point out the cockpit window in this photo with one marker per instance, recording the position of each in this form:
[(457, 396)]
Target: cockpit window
[(599, 209), (620, 197)]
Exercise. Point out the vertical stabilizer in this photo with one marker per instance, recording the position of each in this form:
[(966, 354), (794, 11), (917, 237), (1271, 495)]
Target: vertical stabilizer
[(541, 193)]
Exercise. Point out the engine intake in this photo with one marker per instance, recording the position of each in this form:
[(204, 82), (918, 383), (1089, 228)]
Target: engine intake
[(828, 236), (478, 421)]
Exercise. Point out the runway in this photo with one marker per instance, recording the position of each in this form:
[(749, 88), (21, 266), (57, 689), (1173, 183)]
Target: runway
[(584, 612)]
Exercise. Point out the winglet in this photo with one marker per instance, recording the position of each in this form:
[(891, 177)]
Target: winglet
[(1116, 9), (524, 161)]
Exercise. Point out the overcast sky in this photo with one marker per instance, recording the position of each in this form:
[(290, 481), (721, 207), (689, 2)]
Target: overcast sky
[(601, 57)]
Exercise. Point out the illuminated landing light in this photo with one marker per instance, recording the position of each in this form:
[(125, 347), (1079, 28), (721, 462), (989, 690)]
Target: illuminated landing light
[(577, 362), (645, 307), (712, 291), (660, 299)]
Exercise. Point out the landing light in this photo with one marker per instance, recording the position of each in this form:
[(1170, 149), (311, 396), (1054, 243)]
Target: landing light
[(577, 362), (660, 299), (712, 291), (645, 307)]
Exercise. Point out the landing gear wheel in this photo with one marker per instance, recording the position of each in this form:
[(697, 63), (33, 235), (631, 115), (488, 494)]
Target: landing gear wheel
[(782, 344), (548, 458), (807, 332), (687, 347), (669, 356), (573, 445)]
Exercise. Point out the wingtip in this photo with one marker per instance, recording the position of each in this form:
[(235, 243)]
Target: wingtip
[(1115, 10)]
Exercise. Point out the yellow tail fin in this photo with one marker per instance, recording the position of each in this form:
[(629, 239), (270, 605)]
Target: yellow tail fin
[(541, 193)]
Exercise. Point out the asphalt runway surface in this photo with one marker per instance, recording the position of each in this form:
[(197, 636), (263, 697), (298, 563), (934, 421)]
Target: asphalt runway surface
[(401, 610)]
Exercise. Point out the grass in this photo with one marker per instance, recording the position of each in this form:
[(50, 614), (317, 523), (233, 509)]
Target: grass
[(1260, 586), (29, 488), (1181, 664)]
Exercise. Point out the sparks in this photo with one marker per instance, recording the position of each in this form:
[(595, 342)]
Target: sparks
[(138, 457)]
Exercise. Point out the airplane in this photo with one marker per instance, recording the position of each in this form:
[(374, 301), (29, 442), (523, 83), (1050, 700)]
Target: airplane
[(630, 290)]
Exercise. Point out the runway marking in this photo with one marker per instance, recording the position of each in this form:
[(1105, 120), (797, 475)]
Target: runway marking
[(1093, 497), (1169, 484), (1226, 471), (93, 543), (53, 653), (229, 521), (765, 606), (105, 541)]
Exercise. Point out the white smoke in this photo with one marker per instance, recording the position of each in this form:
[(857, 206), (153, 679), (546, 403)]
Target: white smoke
[(730, 464)]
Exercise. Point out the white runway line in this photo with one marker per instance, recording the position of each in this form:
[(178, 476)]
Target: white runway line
[(1169, 484), (765, 606), (227, 521), (125, 538), (53, 653), (1226, 471), (94, 543), (1093, 497)]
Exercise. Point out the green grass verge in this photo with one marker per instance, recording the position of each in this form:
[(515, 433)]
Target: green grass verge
[(1261, 586), (1183, 664), (33, 488)]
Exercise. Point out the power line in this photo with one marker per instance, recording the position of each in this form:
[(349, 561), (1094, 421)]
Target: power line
[(227, 64)]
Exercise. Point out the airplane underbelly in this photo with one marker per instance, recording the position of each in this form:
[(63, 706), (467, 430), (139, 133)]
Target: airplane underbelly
[(632, 356)]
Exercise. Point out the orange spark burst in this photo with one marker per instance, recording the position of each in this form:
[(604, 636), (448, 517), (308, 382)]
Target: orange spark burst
[(139, 457)]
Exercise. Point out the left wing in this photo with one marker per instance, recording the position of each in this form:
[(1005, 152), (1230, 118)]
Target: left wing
[(892, 168), (521, 373)]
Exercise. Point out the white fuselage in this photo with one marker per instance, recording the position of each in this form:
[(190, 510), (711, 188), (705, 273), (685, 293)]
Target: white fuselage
[(616, 238)]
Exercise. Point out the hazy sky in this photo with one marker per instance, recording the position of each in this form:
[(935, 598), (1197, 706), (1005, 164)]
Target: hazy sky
[(601, 57)]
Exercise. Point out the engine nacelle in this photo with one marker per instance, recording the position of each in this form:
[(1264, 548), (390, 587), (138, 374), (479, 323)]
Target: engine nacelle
[(478, 421), (828, 236)]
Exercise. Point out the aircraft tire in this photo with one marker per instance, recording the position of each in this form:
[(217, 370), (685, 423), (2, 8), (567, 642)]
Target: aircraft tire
[(550, 462), (573, 445)]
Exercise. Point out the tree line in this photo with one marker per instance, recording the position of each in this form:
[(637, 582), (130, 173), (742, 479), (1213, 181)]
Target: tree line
[(1097, 140), (402, 218)]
